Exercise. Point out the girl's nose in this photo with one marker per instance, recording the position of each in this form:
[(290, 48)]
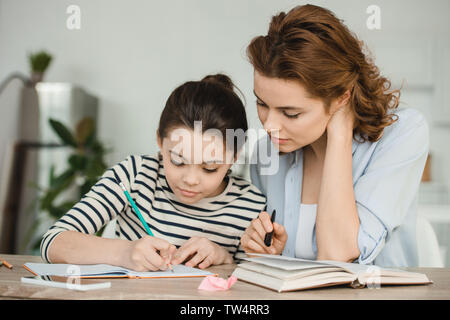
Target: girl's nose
[(190, 177)]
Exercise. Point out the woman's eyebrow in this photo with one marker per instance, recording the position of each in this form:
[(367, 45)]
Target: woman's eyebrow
[(279, 107)]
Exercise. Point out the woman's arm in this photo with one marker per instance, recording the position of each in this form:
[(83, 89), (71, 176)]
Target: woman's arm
[(337, 221)]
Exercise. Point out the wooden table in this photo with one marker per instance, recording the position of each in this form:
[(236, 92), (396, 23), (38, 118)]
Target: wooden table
[(186, 289)]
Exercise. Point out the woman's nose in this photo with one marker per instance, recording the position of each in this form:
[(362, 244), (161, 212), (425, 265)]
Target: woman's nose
[(271, 124)]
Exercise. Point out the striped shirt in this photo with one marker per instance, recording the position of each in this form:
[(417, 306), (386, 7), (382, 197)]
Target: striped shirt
[(222, 219)]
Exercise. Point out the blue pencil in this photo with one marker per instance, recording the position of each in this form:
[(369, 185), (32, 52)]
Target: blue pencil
[(127, 194), (147, 228)]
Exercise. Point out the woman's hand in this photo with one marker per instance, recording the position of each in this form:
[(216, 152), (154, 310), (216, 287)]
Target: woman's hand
[(148, 253), (253, 239), (341, 123), (201, 252)]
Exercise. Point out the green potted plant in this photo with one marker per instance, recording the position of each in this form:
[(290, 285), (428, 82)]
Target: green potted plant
[(39, 62), (85, 165)]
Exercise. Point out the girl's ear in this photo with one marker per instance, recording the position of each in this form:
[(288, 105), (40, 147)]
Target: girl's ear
[(158, 140)]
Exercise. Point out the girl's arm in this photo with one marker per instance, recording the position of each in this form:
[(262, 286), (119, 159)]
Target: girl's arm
[(337, 221), (79, 248), (141, 255)]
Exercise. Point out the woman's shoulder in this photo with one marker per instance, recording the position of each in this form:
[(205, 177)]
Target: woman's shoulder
[(411, 124)]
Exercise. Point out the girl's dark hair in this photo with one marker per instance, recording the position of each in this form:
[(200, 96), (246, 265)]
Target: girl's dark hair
[(311, 45), (212, 101)]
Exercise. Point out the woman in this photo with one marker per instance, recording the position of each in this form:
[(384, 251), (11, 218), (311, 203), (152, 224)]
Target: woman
[(350, 160)]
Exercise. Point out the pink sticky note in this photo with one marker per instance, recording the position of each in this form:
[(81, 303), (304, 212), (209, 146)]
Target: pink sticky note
[(211, 283)]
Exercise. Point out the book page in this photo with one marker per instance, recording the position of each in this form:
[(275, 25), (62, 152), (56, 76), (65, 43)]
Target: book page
[(179, 270), (285, 263), (105, 270)]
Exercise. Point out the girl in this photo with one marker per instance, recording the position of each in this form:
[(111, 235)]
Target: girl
[(195, 208), (350, 167)]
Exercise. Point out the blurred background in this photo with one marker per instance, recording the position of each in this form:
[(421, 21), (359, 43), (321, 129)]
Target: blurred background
[(82, 84)]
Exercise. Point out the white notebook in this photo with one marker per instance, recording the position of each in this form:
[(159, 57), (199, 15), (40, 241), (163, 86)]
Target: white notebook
[(282, 273), (109, 271)]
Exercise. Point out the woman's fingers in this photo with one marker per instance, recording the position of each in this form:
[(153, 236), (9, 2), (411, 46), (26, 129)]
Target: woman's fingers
[(279, 237), (264, 217), (251, 245)]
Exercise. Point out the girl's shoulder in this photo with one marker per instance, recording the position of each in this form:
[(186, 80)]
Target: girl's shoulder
[(245, 189), (133, 165)]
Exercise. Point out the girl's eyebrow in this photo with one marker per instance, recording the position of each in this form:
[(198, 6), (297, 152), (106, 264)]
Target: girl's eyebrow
[(280, 107), (177, 154), (208, 162)]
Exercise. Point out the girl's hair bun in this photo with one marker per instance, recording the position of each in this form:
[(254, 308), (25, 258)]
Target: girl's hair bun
[(220, 79)]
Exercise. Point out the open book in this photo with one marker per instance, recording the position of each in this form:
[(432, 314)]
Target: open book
[(108, 271), (281, 273)]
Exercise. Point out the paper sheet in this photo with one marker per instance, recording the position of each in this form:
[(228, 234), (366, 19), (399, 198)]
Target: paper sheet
[(211, 283)]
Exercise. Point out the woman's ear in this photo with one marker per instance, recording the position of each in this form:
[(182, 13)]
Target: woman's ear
[(345, 98), (340, 102)]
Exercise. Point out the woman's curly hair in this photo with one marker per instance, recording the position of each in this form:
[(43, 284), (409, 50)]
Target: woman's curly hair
[(311, 45)]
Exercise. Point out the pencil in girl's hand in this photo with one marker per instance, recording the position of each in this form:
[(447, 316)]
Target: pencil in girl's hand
[(136, 209), (127, 194)]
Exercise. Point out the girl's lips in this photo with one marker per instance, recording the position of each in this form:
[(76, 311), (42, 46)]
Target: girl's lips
[(188, 193)]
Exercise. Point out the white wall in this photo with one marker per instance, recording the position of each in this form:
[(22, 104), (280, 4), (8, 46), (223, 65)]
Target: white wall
[(132, 54)]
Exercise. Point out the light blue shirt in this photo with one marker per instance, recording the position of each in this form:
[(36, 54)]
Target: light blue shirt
[(386, 178)]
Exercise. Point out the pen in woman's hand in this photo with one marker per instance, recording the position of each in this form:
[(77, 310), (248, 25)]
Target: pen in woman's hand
[(269, 235)]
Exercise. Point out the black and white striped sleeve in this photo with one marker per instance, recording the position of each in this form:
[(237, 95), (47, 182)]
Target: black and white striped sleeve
[(104, 201)]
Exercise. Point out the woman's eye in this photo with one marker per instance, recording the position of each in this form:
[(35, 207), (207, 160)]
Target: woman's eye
[(260, 103), (291, 116), (210, 170)]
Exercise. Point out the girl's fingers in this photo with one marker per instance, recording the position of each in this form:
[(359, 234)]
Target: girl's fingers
[(206, 263), (196, 259), (183, 253), (156, 261)]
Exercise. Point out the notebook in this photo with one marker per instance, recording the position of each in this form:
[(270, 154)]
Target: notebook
[(281, 273), (109, 271)]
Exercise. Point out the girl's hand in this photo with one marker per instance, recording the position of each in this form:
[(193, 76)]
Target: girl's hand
[(253, 239), (202, 252), (148, 253)]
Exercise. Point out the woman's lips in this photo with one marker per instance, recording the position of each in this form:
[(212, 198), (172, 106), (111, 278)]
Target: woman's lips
[(278, 140), (188, 193)]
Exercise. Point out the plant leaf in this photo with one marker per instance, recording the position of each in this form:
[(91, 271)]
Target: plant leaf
[(63, 133), (84, 130), (77, 162)]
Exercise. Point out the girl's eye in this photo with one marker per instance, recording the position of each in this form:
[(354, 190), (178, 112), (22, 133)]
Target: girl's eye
[(210, 170), (176, 163), (291, 116)]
